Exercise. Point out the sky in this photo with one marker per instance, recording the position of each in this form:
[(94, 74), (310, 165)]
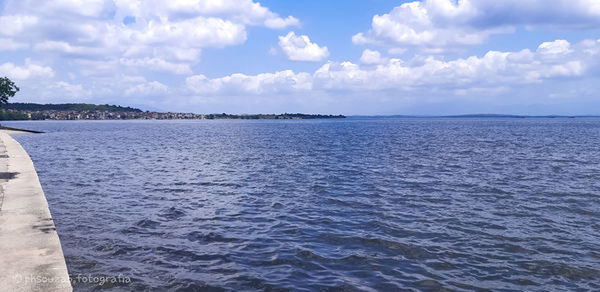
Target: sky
[(353, 57)]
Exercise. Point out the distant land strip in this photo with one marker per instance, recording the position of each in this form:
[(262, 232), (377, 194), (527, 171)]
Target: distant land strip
[(82, 111), (469, 116)]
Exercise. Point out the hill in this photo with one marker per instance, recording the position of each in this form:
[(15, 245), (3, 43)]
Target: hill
[(83, 111), (18, 106)]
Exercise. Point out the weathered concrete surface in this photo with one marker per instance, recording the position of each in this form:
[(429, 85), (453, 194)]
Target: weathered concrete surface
[(31, 257)]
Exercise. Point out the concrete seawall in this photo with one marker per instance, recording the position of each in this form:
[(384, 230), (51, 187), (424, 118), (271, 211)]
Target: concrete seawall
[(31, 257)]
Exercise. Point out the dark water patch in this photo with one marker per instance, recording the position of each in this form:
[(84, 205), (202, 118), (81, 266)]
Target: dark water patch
[(191, 285), (176, 255), (134, 230), (431, 285), (147, 223), (570, 272), (171, 213), (523, 282), (210, 237)]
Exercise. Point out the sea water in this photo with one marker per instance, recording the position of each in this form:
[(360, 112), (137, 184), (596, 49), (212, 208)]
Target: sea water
[(365, 204)]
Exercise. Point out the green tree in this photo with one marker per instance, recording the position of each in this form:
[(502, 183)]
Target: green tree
[(7, 89)]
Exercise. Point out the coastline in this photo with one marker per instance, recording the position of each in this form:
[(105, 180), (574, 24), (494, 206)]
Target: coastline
[(32, 257)]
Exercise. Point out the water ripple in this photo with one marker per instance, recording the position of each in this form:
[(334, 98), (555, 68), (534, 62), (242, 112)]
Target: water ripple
[(344, 205)]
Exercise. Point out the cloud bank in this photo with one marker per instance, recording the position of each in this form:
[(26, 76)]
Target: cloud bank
[(552, 60), (158, 35), (153, 52), (438, 24)]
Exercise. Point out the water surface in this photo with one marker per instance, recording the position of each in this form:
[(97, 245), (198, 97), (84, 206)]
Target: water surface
[(354, 204)]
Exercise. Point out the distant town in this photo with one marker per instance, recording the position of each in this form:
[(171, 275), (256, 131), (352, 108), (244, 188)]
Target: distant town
[(81, 111)]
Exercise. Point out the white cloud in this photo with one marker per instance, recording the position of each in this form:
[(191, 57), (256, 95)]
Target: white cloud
[(178, 54), (69, 8), (442, 23), (571, 68), (280, 23), (88, 43), (27, 71), (67, 49), (371, 57), (153, 88), (433, 23), (131, 78), (427, 85), (157, 65), (494, 72), (283, 81), (300, 48), (558, 47), (91, 67), (68, 90), (167, 35), (397, 51), (10, 45), (198, 32), (244, 12), (16, 23), (489, 71), (591, 47)]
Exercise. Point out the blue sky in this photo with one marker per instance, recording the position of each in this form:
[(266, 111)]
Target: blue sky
[(350, 57)]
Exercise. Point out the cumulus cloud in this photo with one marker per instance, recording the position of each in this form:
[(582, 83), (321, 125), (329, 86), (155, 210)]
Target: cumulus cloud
[(442, 23), (93, 67), (88, 43), (27, 71), (157, 64), (591, 47), (166, 35), (68, 49), (370, 57), (300, 48), (280, 23), (15, 24), (491, 71), (10, 45), (239, 11), (279, 82), (153, 88), (197, 32), (68, 90), (558, 47)]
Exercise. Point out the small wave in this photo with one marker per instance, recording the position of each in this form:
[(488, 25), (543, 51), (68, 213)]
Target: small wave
[(190, 285), (171, 213), (210, 237), (147, 223), (178, 255), (547, 268)]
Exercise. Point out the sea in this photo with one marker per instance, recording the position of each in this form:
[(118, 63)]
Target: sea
[(356, 204)]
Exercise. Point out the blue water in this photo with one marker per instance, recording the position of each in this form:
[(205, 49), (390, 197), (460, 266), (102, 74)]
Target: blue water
[(352, 205)]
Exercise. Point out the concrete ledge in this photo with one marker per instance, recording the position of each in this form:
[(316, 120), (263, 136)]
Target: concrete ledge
[(31, 257)]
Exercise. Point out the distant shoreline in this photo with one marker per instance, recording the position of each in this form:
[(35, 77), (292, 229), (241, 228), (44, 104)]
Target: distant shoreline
[(79, 111), (468, 116)]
